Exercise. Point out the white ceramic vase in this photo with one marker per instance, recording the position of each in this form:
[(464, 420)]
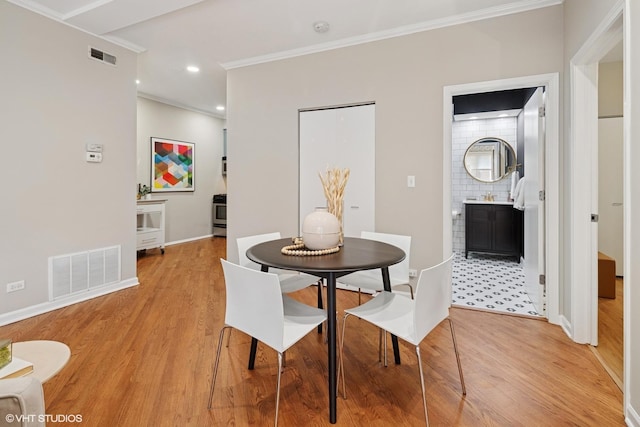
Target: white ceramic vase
[(320, 230)]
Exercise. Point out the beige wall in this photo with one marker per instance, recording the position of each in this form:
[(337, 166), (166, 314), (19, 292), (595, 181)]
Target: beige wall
[(54, 101), (405, 76), (188, 214), (610, 87)]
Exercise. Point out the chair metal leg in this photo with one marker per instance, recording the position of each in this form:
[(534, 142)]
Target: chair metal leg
[(424, 394), (341, 361), (322, 297), (455, 348), (384, 333), (278, 389), (320, 301), (215, 366)]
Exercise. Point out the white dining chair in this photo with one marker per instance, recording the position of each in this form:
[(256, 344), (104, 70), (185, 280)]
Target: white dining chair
[(256, 306), (290, 281), (411, 319), (372, 279)]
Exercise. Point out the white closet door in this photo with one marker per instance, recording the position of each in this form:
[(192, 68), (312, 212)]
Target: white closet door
[(339, 138)]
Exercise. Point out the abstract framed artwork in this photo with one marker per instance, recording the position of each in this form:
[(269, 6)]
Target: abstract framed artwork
[(172, 165)]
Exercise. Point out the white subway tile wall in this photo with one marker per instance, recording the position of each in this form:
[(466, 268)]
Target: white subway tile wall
[(463, 134)]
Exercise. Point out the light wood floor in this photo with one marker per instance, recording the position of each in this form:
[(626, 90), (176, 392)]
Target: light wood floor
[(144, 356), (610, 333)]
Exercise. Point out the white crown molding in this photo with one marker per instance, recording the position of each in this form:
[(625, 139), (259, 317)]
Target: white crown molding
[(39, 9), (179, 105), (124, 43), (86, 8), (493, 12), (48, 13)]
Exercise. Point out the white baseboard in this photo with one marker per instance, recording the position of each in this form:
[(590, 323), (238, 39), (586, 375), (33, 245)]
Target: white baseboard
[(34, 310), (177, 242), (566, 326), (632, 418)]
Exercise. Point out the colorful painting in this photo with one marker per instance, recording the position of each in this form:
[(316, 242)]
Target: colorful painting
[(172, 165)]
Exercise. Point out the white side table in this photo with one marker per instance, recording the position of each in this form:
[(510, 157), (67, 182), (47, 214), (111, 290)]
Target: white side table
[(48, 357), (150, 221)]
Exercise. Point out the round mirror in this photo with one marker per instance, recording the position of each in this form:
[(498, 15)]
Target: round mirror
[(489, 159)]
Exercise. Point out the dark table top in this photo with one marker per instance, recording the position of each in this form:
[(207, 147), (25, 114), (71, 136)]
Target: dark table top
[(356, 254)]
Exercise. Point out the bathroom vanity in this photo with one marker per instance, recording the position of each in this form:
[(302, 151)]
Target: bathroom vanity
[(493, 227)]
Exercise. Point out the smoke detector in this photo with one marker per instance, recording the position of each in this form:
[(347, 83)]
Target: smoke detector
[(321, 26)]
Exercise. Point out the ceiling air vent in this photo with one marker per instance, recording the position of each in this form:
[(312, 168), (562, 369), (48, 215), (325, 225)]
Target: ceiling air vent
[(101, 56)]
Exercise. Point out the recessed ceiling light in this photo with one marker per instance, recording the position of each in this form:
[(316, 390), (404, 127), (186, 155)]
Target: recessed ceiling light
[(320, 26), (137, 81), (220, 108), (193, 69)]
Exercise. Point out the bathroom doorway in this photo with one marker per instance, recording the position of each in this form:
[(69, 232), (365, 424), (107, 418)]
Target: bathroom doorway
[(492, 278), (498, 282)]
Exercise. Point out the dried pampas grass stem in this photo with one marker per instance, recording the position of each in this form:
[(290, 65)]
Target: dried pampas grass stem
[(334, 182)]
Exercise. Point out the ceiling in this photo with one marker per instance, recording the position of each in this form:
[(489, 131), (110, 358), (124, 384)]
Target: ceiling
[(217, 35)]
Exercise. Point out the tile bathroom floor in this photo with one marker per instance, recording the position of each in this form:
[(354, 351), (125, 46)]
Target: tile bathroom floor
[(490, 283)]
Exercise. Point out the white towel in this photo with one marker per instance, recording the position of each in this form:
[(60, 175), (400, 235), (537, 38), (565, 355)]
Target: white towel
[(518, 197), (515, 177)]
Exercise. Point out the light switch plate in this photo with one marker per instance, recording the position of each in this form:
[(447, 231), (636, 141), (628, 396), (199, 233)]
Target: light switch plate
[(411, 181)]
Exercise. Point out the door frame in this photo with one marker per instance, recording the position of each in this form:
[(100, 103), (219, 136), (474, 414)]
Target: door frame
[(582, 326), (552, 171)]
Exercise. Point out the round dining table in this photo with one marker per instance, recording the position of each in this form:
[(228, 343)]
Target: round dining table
[(355, 254)]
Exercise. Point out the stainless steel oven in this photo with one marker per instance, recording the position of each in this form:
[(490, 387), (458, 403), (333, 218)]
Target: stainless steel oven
[(219, 215)]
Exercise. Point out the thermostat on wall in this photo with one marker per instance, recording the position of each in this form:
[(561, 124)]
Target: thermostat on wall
[(94, 157), (94, 148)]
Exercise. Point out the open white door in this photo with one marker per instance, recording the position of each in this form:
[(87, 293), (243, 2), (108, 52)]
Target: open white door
[(534, 256)]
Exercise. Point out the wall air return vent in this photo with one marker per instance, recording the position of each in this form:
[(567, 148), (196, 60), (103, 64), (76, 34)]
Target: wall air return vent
[(83, 271), (101, 56)]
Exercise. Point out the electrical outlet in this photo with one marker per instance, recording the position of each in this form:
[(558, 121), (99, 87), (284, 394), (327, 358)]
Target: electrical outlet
[(413, 272), (15, 286)]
